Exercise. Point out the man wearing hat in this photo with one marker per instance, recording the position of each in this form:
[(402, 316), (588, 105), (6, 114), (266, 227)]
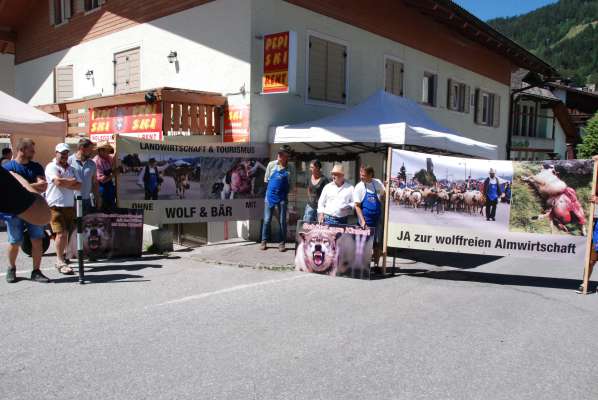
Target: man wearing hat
[(85, 171), (104, 165), (336, 201), (280, 177), (492, 192), (150, 180), (60, 195)]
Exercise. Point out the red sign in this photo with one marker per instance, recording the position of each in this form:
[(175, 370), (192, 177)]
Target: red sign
[(137, 120), (236, 124), (276, 63)]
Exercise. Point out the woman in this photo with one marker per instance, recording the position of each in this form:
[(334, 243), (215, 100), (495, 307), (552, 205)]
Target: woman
[(314, 190)]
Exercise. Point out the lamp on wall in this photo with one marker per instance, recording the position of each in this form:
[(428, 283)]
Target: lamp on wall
[(172, 57), (89, 74)]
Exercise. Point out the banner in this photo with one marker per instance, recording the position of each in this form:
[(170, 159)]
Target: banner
[(194, 182), (236, 124), (503, 208), (116, 234), (142, 121), (335, 250), (280, 56)]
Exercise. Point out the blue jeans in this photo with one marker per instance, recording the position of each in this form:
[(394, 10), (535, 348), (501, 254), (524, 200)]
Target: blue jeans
[(330, 220), (282, 221), (310, 215), (15, 227)]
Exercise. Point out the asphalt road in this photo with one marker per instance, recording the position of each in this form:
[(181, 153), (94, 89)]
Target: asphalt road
[(178, 329)]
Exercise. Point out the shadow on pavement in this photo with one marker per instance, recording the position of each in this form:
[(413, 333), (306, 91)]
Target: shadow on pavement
[(129, 267), (454, 260), (105, 278)]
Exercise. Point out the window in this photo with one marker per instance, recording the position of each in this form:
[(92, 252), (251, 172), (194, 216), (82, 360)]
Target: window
[(327, 75), (63, 83), (458, 96), (393, 77), (92, 4), (487, 110), (60, 11), (126, 71), (429, 89), (523, 131)]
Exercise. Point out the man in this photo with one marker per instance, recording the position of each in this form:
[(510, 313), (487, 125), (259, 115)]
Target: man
[(336, 201), (492, 193), (85, 172), (32, 172), (62, 184), (280, 178), (104, 164), (150, 180), (6, 155), (24, 202), (368, 196)]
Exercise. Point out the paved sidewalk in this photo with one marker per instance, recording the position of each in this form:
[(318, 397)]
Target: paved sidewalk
[(246, 254)]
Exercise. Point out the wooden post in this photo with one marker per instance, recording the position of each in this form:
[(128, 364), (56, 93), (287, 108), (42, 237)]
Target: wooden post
[(386, 209), (115, 165), (587, 269)]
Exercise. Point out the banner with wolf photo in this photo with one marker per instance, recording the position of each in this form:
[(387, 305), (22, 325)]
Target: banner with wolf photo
[(334, 250), (116, 234), (189, 182), (536, 209)]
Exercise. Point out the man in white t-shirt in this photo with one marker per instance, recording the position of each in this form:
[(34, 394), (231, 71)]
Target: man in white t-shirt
[(60, 195), (336, 201)]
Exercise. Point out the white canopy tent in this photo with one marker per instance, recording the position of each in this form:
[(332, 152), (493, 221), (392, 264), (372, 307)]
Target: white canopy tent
[(18, 118), (383, 119)]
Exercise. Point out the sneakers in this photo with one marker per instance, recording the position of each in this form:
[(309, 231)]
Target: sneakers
[(11, 275), (37, 276), (282, 248), (263, 245)]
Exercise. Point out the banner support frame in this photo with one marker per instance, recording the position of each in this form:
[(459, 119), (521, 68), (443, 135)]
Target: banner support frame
[(386, 211), (587, 268)]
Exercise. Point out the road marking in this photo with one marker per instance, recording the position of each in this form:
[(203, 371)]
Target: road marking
[(231, 289)]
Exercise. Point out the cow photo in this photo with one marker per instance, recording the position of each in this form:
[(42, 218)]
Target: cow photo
[(334, 250)]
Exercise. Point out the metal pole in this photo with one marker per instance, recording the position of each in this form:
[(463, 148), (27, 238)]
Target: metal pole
[(80, 239)]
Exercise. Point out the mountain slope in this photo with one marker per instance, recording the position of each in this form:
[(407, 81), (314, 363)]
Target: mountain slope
[(565, 34)]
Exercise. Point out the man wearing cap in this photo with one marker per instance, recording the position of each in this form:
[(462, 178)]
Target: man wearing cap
[(492, 192), (24, 166), (104, 164), (85, 171), (336, 201), (280, 177), (150, 180), (60, 195)]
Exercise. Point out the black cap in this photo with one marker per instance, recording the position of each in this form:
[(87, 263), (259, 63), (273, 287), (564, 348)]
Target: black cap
[(152, 160)]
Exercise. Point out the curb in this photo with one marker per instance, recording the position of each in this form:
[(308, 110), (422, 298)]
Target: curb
[(259, 266)]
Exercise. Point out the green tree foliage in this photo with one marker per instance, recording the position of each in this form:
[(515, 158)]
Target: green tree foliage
[(589, 145), (403, 173), (565, 34)]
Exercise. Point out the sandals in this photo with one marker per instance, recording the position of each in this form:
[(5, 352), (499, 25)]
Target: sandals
[(63, 268)]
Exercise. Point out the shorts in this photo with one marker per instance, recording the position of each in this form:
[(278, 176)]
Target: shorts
[(15, 227), (62, 219)]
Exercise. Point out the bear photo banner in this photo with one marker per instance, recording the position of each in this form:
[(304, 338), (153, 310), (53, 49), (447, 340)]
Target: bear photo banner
[(535, 209), (188, 183)]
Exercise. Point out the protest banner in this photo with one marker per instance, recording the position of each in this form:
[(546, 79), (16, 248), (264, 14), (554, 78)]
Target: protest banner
[(334, 250), (537, 209), (195, 182), (118, 233)]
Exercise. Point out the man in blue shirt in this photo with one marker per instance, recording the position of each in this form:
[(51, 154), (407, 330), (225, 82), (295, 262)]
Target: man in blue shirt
[(85, 170), (34, 174), (492, 192)]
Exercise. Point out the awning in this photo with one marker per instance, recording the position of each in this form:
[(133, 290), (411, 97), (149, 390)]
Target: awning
[(385, 119), (18, 118)]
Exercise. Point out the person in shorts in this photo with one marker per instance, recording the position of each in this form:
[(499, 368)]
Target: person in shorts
[(24, 166), (62, 184)]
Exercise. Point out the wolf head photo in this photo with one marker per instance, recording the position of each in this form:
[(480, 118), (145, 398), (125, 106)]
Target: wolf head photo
[(319, 251)]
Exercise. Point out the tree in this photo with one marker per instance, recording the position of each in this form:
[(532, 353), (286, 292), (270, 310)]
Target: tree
[(589, 142), (403, 174), (425, 178)]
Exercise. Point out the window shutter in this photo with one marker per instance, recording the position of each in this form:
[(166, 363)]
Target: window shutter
[(63, 83), (496, 110), (388, 77), (466, 99), (397, 76), (434, 83), (67, 9), (478, 107), (51, 9), (449, 94), (317, 69), (335, 73)]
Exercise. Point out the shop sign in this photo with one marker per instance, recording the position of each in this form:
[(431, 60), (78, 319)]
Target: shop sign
[(280, 56), (143, 121), (236, 124)]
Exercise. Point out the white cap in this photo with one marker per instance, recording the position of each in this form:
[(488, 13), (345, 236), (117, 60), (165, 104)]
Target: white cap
[(60, 147)]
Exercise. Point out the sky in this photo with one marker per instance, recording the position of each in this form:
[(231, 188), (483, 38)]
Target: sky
[(488, 9)]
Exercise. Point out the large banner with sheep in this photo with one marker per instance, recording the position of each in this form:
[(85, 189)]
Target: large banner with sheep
[(186, 183), (537, 209)]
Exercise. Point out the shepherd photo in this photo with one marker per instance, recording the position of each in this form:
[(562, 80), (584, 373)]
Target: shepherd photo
[(457, 192)]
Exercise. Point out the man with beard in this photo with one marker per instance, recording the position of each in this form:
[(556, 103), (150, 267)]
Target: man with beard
[(85, 171), (62, 184), (24, 166)]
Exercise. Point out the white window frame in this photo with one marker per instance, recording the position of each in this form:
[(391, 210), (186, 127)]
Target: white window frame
[(63, 12), (338, 41), (428, 73), (461, 94), (487, 121), (397, 60)]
